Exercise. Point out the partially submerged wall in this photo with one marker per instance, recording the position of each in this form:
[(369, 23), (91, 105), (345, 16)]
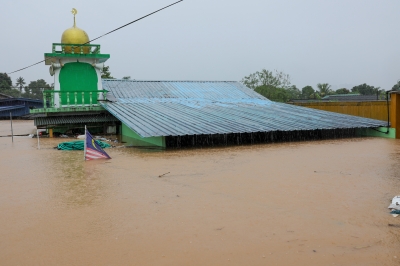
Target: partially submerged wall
[(382, 132), (373, 109), (131, 138), (257, 137)]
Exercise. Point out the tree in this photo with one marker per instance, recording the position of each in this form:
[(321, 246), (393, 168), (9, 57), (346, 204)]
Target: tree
[(20, 83), (272, 85), (105, 73), (126, 77), (273, 93), (35, 89), (342, 91), (307, 92), (293, 92), (396, 86), (365, 89), (267, 78), (6, 86), (324, 89), (5, 82)]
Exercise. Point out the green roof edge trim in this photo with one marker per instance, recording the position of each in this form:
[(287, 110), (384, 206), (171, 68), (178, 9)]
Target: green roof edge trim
[(77, 55)]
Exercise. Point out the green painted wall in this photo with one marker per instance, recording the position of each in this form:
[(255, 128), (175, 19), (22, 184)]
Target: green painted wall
[(132, 138), (78, 76), (374, 133)]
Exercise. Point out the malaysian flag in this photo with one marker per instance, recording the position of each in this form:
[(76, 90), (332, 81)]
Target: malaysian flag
[(92, 148)]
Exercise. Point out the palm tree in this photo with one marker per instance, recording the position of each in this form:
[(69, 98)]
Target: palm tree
[(20, 83), (324, 89)]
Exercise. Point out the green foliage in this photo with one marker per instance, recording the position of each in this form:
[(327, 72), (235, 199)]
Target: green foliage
[(267, 78), (35, 89), (278, 94), (272, 85), (276, 86), (365, 89), (20, 83), (324, 89), (105, 73), (272, 93), (342, 91), (307, 92), (293, 92), (396, 86), (5, 82), (6, 86)]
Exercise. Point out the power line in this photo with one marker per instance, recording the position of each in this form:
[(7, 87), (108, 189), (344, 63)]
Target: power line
[(136, 20), (25, 87), (26, 67)]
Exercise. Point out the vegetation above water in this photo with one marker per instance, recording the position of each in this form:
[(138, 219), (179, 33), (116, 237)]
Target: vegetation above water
[(276, 86), (34, 89)]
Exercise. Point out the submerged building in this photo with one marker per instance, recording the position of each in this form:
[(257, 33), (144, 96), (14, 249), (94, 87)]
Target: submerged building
[(172, 113), (17, 107)]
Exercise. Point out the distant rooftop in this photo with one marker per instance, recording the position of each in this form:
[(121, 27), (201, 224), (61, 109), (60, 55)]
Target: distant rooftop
[(5, 96), (353, 97), (344, 95)]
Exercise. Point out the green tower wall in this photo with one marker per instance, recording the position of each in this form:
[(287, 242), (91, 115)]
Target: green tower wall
[(80, 77)]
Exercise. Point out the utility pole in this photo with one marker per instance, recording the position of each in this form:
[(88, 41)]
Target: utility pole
[(12, 132)]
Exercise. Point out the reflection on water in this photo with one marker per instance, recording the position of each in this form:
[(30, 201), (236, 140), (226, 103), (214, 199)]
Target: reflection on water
[(78, 183), (305, 203)]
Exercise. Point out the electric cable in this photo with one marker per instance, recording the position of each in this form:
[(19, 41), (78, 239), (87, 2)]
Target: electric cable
[(114, 30)]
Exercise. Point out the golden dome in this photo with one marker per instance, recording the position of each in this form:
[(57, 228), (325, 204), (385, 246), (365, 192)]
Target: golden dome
[(75, 35)]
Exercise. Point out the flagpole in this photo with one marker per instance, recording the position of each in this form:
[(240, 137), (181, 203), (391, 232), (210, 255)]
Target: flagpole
[(12, 131), (84, 152), (37, 136)]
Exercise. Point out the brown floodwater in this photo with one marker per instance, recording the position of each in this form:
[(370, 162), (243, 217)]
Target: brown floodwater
[(304, 203)]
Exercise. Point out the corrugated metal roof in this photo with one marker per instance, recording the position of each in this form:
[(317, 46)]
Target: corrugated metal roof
[(62, 120), (11, 107), (173, 108), (12, 99), (200, 90)]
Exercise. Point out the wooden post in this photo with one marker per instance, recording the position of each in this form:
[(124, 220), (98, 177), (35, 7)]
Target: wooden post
[(38, 142), (50, 132), (395, 112), (84, 145), (12, 131)]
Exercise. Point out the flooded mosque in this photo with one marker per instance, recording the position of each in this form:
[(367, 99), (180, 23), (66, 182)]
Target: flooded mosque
[(171, 113)]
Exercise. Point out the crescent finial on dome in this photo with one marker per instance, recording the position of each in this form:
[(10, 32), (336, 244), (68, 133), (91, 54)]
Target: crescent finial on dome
[(74, 12), (75, 35)]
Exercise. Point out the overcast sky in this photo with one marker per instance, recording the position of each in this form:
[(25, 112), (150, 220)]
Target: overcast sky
[(340, 42)]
